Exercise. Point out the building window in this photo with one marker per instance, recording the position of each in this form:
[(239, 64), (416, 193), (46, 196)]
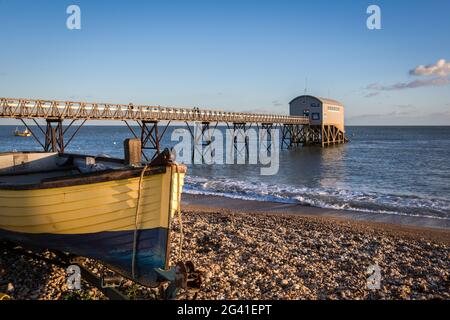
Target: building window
[(333, 109), (316, 116), (315, 105)]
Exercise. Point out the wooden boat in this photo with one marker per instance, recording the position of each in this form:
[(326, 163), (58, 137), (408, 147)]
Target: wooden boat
[(24, 133), (98, 208)]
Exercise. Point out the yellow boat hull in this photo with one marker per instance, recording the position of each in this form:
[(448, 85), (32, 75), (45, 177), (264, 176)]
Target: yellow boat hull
[(89, 208), (99, 220)]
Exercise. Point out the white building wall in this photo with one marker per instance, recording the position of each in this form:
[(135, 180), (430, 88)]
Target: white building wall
[(334, 115)]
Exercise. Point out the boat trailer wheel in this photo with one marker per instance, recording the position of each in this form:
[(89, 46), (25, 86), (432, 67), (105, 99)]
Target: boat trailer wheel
[(185, 277)]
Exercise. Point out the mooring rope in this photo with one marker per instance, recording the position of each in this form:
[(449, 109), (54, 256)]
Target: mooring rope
[(138, 206), (180, 219), (136, 218)]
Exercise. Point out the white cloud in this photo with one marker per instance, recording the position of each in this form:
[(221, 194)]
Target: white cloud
[(371, 95), (440, 68), (435, 82), (440, 72), (277, 103), (404, 106)]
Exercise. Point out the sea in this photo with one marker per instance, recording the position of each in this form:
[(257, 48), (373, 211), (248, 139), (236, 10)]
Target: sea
[(382, 170)]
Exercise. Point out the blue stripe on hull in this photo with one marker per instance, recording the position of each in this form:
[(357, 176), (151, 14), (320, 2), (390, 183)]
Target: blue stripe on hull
[(114, 248)]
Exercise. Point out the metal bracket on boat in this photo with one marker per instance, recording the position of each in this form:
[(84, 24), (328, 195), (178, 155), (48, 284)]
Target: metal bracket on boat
[(4, 296), (111, 281), (165, 157), (182, 276)]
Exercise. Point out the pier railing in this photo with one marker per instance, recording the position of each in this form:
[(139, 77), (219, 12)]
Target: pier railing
[(295, 130), (60, 110)]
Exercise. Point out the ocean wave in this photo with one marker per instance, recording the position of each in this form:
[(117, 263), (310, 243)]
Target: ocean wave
[(369, 202)]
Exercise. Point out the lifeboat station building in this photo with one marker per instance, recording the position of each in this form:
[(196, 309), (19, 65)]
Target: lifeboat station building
[(326, 119)]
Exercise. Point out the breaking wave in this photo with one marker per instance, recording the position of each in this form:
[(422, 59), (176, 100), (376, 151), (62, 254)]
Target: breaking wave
[(321, 197)]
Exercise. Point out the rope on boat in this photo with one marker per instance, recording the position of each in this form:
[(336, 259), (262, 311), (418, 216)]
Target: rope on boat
[(180, 219), (138, 206)]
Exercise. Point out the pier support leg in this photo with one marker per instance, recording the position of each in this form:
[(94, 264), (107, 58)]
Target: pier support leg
[(328, 135), (308, 135), (150, 137), (303, 135), (239, 130), (286, 136), (293, 135), (54, 136), (267, 128), (297, 135), (202, 139)]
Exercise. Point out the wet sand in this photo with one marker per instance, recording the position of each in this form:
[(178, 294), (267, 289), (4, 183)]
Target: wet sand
[(205, 202)]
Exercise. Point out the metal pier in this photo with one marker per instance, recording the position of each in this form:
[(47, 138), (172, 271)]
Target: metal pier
[(152, 121)]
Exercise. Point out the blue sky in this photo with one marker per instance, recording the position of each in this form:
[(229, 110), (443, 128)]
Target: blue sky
[(232, 55)]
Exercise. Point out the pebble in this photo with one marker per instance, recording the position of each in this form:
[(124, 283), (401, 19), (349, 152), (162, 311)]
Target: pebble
[(246, 256)]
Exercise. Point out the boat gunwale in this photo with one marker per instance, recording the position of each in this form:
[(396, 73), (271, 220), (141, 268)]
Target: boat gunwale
[(60, 169), (66, 155), (89, 177), (84, 179)]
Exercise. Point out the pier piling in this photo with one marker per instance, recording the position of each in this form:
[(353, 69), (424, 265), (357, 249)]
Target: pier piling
[(295, 130)]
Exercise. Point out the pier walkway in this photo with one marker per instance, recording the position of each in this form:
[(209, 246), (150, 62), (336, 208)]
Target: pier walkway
[(295, 130), (60, 110)]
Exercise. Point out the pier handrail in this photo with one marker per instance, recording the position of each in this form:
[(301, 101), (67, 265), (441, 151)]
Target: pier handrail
[(54, 109)]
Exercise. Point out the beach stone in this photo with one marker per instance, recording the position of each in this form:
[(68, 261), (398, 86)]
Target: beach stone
[(248, 257), (284, 282)]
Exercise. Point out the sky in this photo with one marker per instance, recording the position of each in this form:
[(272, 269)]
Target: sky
[(234, 55)]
